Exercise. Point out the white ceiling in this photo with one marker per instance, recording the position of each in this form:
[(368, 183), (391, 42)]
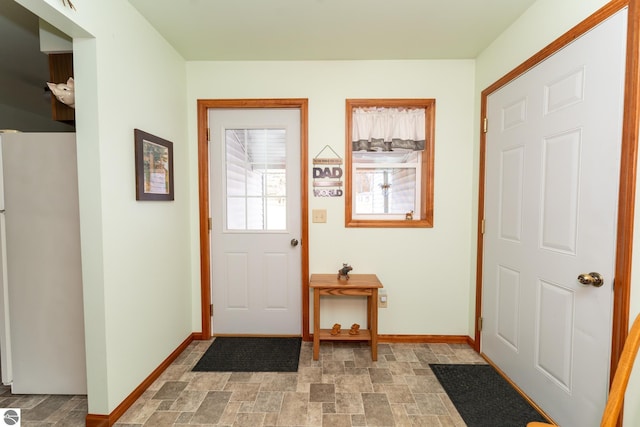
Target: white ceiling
[(330, 29)]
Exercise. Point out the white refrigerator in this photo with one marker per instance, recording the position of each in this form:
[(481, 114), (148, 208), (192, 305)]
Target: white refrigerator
[(42, 345)]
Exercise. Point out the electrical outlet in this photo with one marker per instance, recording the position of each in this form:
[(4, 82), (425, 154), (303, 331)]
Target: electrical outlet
[(382, 300)]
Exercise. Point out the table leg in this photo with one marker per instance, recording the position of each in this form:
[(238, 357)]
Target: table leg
[(373, 314), (369, 306), (316, 324)]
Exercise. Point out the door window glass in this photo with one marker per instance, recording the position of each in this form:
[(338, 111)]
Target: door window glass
[(255, 174)]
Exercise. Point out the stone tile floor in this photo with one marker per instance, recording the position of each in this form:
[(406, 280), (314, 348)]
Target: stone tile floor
[(46, 410), (343, 388)]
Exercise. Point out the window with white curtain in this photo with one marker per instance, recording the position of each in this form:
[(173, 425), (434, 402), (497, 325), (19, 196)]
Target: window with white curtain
[(389, 163)]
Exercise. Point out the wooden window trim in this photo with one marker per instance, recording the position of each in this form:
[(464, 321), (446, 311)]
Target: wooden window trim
[(426, 180)]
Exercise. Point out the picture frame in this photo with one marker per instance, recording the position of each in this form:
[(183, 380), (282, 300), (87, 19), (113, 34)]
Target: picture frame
[(154, 167)]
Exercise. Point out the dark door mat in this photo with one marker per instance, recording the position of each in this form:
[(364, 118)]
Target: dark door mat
[(483, 397), (251, 354)]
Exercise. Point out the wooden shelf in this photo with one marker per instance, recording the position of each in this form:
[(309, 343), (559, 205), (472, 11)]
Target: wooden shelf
[(325, 335)]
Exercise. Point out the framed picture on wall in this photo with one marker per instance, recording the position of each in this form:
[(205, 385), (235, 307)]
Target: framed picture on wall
[(154, 167)]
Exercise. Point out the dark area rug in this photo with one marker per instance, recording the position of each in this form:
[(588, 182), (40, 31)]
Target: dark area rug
[(483, 397), (251, 354)]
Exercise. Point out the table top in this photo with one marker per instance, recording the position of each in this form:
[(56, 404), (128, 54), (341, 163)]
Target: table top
[(356, 281)]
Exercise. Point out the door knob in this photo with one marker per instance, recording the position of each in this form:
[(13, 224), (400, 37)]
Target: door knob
[(593, 279), (294, 242)]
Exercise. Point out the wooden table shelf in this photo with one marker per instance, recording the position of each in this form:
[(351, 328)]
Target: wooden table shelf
[(363, 335), (365, 285)]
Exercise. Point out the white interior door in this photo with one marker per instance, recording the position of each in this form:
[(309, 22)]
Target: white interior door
[(255, 204), (552, 172)]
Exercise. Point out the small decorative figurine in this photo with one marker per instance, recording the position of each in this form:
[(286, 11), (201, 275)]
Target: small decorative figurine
[(408, 216), (344, 271), (64, 92), (355, 329), (336, 329)]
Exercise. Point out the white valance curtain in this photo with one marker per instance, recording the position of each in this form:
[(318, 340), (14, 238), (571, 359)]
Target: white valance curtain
[(388, 129)]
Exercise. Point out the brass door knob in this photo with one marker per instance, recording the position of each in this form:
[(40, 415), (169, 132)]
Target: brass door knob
[(593, 279)]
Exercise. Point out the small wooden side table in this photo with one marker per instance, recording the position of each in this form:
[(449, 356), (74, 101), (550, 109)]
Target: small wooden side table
[(358, 285)]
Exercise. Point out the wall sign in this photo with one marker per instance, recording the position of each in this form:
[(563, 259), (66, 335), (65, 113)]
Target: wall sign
[(327, 174)]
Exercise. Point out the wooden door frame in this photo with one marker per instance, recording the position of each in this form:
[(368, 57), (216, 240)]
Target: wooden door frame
[(204, 105), (628, 167)]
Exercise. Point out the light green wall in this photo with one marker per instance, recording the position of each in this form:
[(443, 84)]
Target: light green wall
[(136, 255), (425, 271), (545, 21)]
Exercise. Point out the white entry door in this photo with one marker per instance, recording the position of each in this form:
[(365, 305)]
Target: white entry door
[(551, 189), (255, 205)]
